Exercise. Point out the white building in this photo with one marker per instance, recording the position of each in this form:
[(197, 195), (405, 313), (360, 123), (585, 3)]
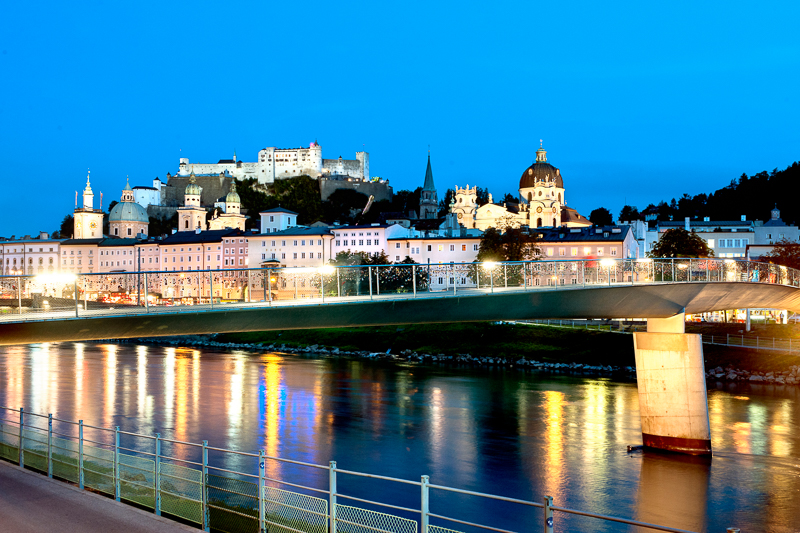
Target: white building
[(727, 238), (293, 247), (277, 219), (30, 256), (145, 196), (370, 239), (88, 220), (278, 163)]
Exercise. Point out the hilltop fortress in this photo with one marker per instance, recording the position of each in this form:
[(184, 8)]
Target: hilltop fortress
[(280, 163)]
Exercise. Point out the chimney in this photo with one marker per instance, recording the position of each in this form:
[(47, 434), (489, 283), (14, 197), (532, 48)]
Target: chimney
[(706, 219), (744, 218), (687, 225)]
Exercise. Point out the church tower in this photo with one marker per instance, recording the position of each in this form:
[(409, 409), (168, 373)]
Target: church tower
[(192, 216), (88, 221), (232, 216), (429, 201)]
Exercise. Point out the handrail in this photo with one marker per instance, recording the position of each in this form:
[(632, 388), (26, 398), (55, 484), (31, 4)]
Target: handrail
[(86, 463)]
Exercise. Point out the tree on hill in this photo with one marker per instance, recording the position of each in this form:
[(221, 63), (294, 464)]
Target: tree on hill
[(405, 201), (784, 252), (481, 196), (678, 242), (344, 205), (601, 217), (162, 225), (509, 199), (444, 203), (629, 214)]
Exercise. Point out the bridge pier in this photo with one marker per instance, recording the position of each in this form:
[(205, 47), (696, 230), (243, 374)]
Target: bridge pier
[(672, 387)]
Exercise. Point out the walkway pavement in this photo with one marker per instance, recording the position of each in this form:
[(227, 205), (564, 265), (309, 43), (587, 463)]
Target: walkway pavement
[(33, 503)]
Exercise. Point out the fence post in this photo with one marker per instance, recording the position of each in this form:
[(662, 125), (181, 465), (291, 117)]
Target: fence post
[(157, 483), (505, 275), (425, 506), (21, 437), (116, 463), (249, 289), (378, 280), (491, 279), (146, 303), (211, 288), (583, 273), (322, 285), (369, 275), (50, 445), (548, 514), (269, 283), (75, 288), (204, 488), (262, 527), (19, 295), (80, 454), (414, 279), (338, 284), (332, 496)]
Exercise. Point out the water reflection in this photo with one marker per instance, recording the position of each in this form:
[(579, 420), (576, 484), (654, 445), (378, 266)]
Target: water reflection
[(522, 435)]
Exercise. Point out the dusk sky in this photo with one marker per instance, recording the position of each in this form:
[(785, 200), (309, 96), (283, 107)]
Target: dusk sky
[(635, 102)]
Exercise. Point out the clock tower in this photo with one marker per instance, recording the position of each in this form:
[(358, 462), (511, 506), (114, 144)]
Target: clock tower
[(88, 221)]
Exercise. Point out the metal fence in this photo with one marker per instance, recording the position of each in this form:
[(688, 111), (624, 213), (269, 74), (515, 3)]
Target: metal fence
[(232, 491), (741, 341), (63, 295)]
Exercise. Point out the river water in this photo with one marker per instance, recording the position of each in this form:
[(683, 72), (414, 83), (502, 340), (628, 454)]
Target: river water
[(513, 433)]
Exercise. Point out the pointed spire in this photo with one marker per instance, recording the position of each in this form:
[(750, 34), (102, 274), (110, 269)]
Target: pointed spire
[(127, 183), (88, 188), (429, 186)]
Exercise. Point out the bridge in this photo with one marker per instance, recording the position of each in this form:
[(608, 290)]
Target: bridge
[(669, 362)]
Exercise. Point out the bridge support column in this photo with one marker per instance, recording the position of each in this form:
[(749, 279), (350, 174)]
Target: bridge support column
[(672, 387)]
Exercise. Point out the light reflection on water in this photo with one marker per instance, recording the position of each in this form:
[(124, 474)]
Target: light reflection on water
[(503, 432)]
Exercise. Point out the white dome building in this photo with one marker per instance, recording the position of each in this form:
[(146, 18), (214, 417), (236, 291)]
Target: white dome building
[(128, 219)]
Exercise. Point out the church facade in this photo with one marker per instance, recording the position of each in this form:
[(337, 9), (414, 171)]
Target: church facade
[(542, 202)]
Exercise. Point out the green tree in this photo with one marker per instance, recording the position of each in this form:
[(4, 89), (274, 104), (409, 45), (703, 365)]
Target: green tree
[(67, 227), (511, 245), (678, 242), (601, 217), (509, 199), (444, 203), (481, 196), (405, 201), (344, 205), (629, 214), (784, 252)]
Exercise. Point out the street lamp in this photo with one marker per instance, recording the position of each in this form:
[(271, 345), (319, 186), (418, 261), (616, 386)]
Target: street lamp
[(490, 266)]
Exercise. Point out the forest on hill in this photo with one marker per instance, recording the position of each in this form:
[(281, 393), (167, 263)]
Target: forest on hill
[(753, 196)]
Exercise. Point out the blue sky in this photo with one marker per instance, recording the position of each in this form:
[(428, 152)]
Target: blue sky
[(635, 101)]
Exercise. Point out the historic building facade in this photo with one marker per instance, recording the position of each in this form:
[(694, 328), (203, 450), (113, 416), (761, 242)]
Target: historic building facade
[(128, 218), (88, 220), (542, 202)]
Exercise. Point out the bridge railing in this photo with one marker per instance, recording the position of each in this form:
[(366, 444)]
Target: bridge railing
[(235, 491), (64, 295)]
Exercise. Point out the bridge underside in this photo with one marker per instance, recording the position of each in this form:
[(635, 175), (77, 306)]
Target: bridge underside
[(646, 301)]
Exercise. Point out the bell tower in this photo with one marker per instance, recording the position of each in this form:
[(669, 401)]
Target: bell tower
[(88, 221)]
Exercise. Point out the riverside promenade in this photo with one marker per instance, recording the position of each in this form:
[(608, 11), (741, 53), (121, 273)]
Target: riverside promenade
[(33, 503)]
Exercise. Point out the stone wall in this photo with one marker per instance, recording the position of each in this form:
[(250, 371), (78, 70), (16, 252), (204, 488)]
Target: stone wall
[(214, 187), (380, 190)]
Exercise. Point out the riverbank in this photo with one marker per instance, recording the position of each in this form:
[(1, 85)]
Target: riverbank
[(502, 344)]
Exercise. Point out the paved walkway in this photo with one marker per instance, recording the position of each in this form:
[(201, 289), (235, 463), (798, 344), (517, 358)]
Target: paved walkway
[(33, 503)]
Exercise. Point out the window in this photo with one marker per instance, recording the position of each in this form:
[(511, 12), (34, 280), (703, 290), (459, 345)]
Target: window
[(376, 242), (574, 251), (397, 245), (338, 243), (295, 255), (587, 250), (550, 251), (613, 251), (429, 247), (283, 243), (452, 247), (369, 242), (303, 242), (474, 247), (272, 218), (463, 247), (710, 243), (319, 255), (599, 250), (441, 247), (303, 255), (562, 252), (361, 242)]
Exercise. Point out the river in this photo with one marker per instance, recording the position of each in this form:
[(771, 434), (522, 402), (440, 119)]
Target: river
[(508, 432)]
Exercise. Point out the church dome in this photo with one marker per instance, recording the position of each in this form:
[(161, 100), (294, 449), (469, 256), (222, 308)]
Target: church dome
[(128, 212), (541, 171), (233, 196)]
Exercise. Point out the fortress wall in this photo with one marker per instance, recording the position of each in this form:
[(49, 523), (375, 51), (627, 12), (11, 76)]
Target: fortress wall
[(381, 191)]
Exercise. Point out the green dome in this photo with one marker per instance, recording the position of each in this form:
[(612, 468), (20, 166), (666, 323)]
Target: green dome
[(233, 196), (128, 212), (193, 187)]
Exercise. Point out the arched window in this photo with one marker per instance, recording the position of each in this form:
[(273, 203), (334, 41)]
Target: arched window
[(186, 224), (540, 193), (554, 223), (41, 261), (538, 222), (129, 231), (530, 197), (559, 197), (116, 231)]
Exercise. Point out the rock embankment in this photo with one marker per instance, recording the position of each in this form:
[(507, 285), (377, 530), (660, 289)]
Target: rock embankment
[(404, 356), (787, 377)]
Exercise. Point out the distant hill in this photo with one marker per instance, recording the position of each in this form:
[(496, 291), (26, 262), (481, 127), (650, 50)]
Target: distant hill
[(753, 196)]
